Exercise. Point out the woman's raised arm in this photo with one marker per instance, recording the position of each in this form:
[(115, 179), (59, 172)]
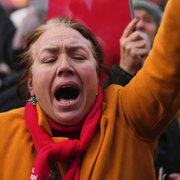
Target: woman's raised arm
[(152, 98)]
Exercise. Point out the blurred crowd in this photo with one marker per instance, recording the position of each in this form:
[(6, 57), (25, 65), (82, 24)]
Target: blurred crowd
[(17, 21), (18, 18)]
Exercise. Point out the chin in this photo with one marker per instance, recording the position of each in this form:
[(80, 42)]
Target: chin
[(68, 120)]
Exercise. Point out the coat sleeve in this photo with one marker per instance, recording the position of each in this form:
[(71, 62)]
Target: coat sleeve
[(152, 98)]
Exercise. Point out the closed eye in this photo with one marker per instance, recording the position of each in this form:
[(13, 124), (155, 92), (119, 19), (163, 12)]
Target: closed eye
[(78, 53), (50, 60), (78, 57), (49, 55)]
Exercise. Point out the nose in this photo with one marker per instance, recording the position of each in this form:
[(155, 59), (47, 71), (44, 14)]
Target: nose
[(65, 67), (140, 25)]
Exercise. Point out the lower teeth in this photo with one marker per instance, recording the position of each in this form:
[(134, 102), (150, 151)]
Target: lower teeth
[(67, 102)]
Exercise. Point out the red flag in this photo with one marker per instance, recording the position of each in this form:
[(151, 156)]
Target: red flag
[(105, 18)]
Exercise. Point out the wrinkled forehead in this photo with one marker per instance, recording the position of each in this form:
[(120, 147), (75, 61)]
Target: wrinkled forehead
[(60, 36)]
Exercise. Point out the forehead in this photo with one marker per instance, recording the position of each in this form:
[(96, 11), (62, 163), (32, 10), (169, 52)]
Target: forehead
[(142, 13), (61, 35)]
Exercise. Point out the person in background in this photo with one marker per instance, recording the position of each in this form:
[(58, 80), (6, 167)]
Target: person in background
[(150, 14), (36, 16), (134, 51), (13, 5), (7, 31)]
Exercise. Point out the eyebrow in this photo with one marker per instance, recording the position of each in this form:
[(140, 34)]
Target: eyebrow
[(71, 48), (149, 15), (53, 50), (76, 48), (50, 49)]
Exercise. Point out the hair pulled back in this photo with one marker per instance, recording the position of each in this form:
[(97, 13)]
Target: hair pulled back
[(29, 54)]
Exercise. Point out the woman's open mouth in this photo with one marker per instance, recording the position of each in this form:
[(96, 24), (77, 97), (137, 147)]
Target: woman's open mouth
[(67, 94)]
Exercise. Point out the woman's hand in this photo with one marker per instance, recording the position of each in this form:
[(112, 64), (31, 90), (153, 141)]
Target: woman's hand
[(133, 47)]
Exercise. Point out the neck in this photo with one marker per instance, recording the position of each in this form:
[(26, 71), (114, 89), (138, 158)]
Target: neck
[(72, 132)]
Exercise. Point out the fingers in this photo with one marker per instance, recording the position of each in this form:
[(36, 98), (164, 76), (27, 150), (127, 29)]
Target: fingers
[(130, 27), (133, 48), (175, 176), (137, 52), (138, 47), (136, 44), (134, 38)]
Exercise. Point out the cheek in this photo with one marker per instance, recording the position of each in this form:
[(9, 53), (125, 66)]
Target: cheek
[(41, 80), (152, 29), (90, 74), (90, 85)]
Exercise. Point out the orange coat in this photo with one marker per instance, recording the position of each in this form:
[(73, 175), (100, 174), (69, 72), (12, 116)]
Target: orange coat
[(133, 117)]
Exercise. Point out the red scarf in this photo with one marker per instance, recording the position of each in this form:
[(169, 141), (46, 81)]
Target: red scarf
[(61, 151)]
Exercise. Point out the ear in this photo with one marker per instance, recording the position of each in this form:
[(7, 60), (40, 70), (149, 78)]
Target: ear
[(98, 79), (30, 87)]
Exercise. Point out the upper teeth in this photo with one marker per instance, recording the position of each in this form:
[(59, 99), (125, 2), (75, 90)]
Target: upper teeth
[(65, 86)]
